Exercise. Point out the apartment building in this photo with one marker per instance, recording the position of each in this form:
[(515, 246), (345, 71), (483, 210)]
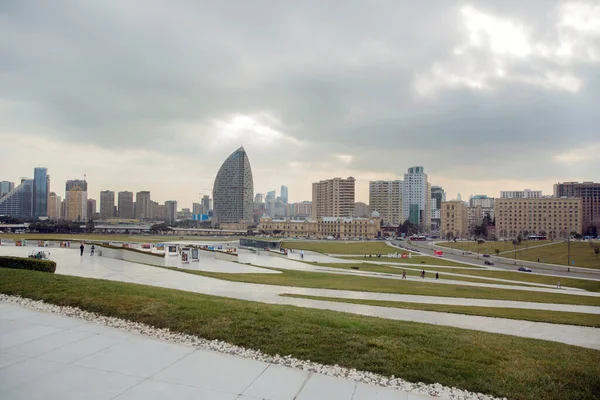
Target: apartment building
[(107, 204), (323, 227), (125, 205), (589, 193), (76, 197), (416, 198), (385, 197), (551, 217), (454, 219), (521, 194), (333, 198)]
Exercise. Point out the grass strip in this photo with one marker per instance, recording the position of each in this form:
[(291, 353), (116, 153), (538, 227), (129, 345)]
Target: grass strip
[(332, 247), (424, 260), (501, 365), (553, 317), (320, 280)]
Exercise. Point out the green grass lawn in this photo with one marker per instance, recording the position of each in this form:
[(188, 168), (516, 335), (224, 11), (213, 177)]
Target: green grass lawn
[(581, 252), (553, 317), (111, 238), (425, 260), (321, 280), (487, 247), (335, 247), (500, 365)]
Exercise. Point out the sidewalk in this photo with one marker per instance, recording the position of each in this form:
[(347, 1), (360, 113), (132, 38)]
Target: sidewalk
[(48, 356)]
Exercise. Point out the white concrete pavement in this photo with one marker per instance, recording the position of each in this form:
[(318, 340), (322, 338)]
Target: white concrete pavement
[(70, 263), (47, 356)]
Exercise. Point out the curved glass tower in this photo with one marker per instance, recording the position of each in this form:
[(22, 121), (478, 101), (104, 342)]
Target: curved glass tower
[(233, 192)]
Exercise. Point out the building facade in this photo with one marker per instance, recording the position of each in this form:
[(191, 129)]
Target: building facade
[(6, 187), (107, 204), (333, 198), (41, 189), (521, 194), (454, 219), (284, 194), (54, 207), (589, 193), (143, 205), (385, 197), (323, 227), (76, 200), (19, 201), (361, 210), (170, 211), (233, 191), (416, 198), (125, 205), (438, 195), (91, 209), (552, 217)]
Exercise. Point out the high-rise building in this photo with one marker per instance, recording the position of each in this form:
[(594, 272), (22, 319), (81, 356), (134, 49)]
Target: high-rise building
[(206, 203), (385, 197), (589, 193), (333, 198), (454, 219), (233, 191), (54, 207), (284, 194), (159, 212), (76, 200), (40, 192), (6, 187), (91, 209), (197, 208), (19, 201), (437, 197), (170, 211), (551, 217), (416, 198), (521, 194), (270, 196), (143, 206), (480, 206), (125, 205), (258, 198), (361, 210), (107, 204)]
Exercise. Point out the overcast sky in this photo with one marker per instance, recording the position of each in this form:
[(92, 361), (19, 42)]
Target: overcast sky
[(155, 95)]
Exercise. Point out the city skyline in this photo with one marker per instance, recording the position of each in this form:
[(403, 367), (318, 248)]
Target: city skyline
[(502, 96)]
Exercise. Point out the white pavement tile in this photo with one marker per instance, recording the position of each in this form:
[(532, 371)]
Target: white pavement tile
[(74, 382), (48, 343), (16, 313), (277, 383), (213, 371), (140, 357), (57, 321), (155, 390), (103, 330), (9, 359), (24, 334), (322, 387), (27, 372), (415, 396), (367, 392), (75, 351)]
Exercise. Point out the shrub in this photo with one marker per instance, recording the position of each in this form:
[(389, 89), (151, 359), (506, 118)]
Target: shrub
[(32, 264)]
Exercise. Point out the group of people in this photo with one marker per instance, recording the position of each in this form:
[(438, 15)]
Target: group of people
[(437, 274), (82, 248)]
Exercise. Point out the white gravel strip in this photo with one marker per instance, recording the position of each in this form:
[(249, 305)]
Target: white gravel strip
[(435, 390)]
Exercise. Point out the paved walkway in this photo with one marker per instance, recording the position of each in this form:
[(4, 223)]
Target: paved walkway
[(47, 356), (70, 263)]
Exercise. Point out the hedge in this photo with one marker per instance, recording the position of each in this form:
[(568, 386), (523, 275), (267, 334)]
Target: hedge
[(109, 246), (32, 264)]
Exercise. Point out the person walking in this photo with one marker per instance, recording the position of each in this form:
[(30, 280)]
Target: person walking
[(92, 250), (423, 274), (81, 248), (558, 285), (437, 275), (404, 274)]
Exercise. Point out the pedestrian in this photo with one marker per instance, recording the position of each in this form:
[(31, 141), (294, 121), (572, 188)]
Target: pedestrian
[(423, 274), (558, 285), (92, 251), (81, 248), (437, 275), (404, 274)]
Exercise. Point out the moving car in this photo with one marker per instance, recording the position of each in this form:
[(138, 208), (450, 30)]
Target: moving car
[(486, 255), (524, 269), (488, 262)]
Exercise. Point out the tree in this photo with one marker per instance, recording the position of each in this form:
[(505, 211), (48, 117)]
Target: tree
[(596, 249), (497, 251), (515, 243), (449, 236)]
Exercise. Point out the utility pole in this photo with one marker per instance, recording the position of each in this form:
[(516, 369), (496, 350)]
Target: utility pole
[(569, 252)]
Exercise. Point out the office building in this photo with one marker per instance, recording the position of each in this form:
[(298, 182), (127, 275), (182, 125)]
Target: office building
[(6, 187), (206, 203), (143, 206), (284, 194), (437, 197), (91, 209), (76, 200), (159, 212), (197, 208), (270, 196), (551, 217), (521, 194), (41, 183), (416, 198), (454, 219), (258, 198), (333, 198), (361, 210), (54, 207), (385, 197), (107, 204), (171, 211), (589, 193), (125, 205), (19, 201), (233, 191), (323, 227)]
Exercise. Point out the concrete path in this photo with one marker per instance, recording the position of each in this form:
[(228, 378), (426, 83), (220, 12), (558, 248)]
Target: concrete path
[(47, 356), (70, 263)]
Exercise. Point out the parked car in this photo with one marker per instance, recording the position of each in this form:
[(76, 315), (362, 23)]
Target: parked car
[(487, 262), (524, 269), (486, 255)]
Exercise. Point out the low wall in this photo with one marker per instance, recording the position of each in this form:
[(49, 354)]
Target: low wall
[(132, 256)]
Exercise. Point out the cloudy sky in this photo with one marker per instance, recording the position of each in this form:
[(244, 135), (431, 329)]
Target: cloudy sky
[(154, 95)]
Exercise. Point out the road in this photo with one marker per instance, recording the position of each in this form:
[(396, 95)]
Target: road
[(542, 269)]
